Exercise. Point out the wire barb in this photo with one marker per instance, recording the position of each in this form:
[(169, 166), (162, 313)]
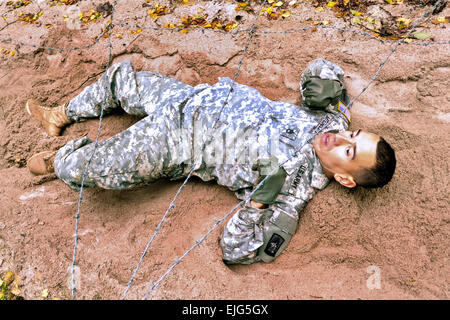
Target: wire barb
[(236, 74), (80, 199), (197, 243), (252, 31)]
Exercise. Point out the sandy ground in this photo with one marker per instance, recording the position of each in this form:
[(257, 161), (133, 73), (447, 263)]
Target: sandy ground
[(346, 241)]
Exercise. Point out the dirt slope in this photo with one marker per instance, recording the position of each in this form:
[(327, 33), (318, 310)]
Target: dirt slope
[(401, 230)]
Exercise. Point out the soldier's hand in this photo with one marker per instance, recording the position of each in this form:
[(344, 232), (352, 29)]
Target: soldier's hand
[(257, 205)]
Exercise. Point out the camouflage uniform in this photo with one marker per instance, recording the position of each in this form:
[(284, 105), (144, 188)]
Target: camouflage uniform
[(227, 131)]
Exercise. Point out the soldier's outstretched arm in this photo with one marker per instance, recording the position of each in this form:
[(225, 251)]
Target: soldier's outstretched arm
[(253, 235), (262, 229)]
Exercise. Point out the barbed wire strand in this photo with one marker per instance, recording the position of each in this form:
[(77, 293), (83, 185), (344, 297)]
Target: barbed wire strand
[(172, 204), (80, 198), (266, 32), (282, 32), (413, 27), (251, 31), (198, 242), (218, 222)]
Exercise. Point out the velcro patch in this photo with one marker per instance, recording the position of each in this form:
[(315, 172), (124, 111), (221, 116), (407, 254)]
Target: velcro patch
[(274, 245), (290, 132), (342, 108)]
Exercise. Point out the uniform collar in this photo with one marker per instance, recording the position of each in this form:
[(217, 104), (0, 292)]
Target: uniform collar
[(318, 180)]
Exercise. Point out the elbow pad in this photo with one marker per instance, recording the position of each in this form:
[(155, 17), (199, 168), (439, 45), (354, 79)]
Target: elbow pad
[(277, 233), (320, 93), (322, 84)]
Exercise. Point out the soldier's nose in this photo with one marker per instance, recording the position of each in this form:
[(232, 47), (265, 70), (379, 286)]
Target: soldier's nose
[(341, 139)]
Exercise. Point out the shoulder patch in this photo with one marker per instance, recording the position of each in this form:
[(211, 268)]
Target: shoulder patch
[(342, 108)]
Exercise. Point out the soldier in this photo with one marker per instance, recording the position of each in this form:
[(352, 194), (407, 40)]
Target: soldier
[(227, 132)]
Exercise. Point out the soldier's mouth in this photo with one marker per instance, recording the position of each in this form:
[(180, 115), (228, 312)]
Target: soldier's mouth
[(328, 139)]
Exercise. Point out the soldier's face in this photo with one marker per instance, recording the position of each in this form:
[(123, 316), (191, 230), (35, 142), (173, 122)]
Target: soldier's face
[(342, 153)]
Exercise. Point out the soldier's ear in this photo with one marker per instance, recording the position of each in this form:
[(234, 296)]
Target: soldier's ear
[(346, 180)]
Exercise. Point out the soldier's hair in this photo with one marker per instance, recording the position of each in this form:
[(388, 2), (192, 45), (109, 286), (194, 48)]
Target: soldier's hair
[(383, 170)]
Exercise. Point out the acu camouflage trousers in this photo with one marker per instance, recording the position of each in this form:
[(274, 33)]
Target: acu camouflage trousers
[(139, 155)]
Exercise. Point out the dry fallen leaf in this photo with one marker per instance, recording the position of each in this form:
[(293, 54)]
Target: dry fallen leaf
[(421, 35), (277, 4), (286, 14), (157, 11), (44, 293), (244, 6), (404, 23), (17, 280), (15, 291), (440, 20), (356, 20), (8, 278)]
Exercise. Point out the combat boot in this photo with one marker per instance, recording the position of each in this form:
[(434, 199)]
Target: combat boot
[(52, 119), (42, 163)]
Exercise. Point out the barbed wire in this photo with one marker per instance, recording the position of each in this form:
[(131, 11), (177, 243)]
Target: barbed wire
[(172, 203), (80, 199), (251, 32), (235, 32), (6, 12), (413, 27), (282, 32), (218, 222), (198, 242)]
